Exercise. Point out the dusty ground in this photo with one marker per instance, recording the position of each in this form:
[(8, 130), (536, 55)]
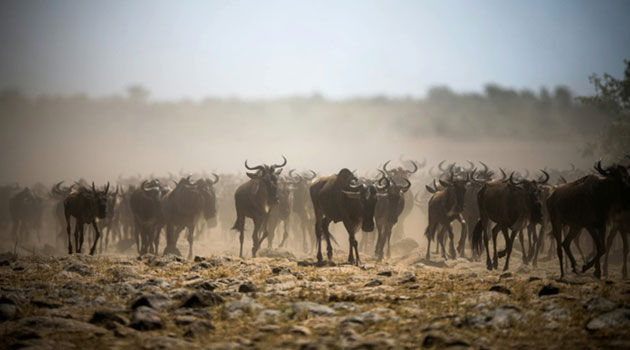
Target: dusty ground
[(283, 302)]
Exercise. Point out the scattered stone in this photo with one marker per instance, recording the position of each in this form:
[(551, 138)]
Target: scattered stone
[(374, 283), (246, 304), (146, 319), (548, 289), (300, 330), (8, 309), (533, 278), (7, 258), (152, 300), (619, 318), (599, 305), (78, 268), (280, 269), (199, 258), (372, 316), (46, 326), (505, 275), (108, 318), (202, 299), (500, 289), (311, 308), (247, 287), (45, 302), (385, 273), (268, 316)]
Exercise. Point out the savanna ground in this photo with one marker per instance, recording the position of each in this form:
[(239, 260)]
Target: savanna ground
[(280, 301)]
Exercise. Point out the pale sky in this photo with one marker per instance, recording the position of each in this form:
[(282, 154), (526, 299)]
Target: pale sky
[(267, 49)]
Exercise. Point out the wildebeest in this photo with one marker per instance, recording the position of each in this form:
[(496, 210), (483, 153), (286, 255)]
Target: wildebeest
[(280, 213), (471, 208), (388, 209), (341, 198), (445, 206), (588, 203), (621, 225), (108, 222), (302, 207), (85, 205), (25, 209), (146, 206), (182, 207), (511, 205), (254, 200), (59, 193), (400, 175)]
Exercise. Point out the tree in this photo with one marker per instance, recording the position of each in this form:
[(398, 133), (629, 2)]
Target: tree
[(612, 96)]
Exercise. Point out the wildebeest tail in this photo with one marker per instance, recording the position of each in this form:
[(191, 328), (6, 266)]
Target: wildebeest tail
[(477, 238), (239, 224)]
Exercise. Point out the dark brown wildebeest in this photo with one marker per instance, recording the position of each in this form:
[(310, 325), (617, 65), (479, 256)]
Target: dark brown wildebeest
[(302, 207), (254, 200), (182, 207), (388, 209), (471, 208), (510, 205), (25, 209), (588, 203), (146, 206), (342, 198), (445, 206), (59, 194), (279, 213), (108, 223), (400, 175), (85, 205)]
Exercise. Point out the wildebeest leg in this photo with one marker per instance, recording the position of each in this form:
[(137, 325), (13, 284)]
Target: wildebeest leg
[(598, 237), (241, 238), (380, 239), (97, 236), (78, 236), (461, 246), (329, 248), (172, 235), (68, 231), (191, 235), (318, 239), (441, 238), (509, 244), (495, 232), (566, 244), (285, 234), (451, 236), (14, 229), (353, 246), (429, 233), (389, 236), (624, 239), (258, 222), (609, 243), (486, 242), (557, 233), (520, 238)]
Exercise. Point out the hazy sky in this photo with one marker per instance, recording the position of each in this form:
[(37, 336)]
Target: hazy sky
[(275, 48)]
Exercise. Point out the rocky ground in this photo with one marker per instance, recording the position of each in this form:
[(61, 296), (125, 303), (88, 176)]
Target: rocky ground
[(282, 302)]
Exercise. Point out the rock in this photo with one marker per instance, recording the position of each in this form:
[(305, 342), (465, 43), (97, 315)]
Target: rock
[(439, 340), (372, 316), (78, 268), (386, 273), (311, 308), (247, 287), (205, 285), (548, 289), (280, 270), (46, 326), (374, 283), (152, 300), (45, 302), (268, 316), (108, 318), (533, 278), (500, 289), (146, 319), (619, 318), (8, 309), (199, 258), (202, 299), (345, 306), (599, 305), (557, 314), (373, 344), (505, 275), (300, 330), (504, 316), (440, 264), (204, 265), (193, 326), (246, 304)]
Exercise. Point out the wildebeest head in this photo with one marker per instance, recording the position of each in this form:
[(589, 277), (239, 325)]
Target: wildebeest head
[(400, 174), (393, 194), (206, 186), (618, 175), (458, 186), (101, 200), (534, 192), (367, 194), (60, 192), (268, 176)]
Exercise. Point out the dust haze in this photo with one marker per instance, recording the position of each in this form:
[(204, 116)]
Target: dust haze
[(53, 138)]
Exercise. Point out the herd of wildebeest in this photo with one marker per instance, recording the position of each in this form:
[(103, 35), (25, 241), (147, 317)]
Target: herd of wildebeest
[(595, 202)]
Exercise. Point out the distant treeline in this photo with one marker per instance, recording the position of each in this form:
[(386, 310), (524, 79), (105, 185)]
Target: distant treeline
[(497, 112)]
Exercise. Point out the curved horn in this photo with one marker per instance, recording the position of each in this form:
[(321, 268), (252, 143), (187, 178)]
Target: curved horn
[(415, 168), (107, 187), (485, 167), (598, 167), (503, 174), (406, 187), (512, 179), (216, 178), (563, 180), (472, 166), (143, 186), (292, 175), (385, 166), (280, 165), (440, 166), (314, 175), (542, 182), (355, 185), (383, 177), (252, 168)]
